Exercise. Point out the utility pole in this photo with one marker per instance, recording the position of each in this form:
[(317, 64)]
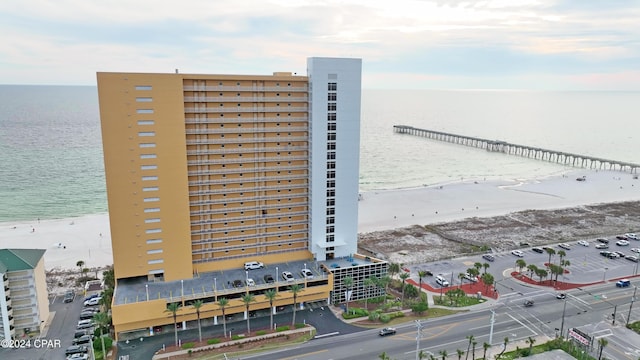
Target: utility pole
[(633, 298), (564, 309), (493, 316), (615, 309), (418, 336)]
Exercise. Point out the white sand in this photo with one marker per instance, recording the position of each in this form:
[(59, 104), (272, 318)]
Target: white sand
[(390, 209), (377, 210)]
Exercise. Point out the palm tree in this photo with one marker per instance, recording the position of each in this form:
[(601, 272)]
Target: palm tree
[(385, 281), (541, 273), (530, 341), (173, 309), (485, 347), (486, 266), (394, 268), (421, 274), (478, 266), (460, 353), (347, 281), (473, 350), (602, 342), (222, 303), (247, 299), (422, 355), (271, 295), (102, 320), (197, 305), (384, 356), (404, 277), (561, 254), (370, 281), (461, 277), (443, 353), (295, 289), (504, 347), (532, 269), (471, 339), (520, 264), (551, 252), (80, 264)]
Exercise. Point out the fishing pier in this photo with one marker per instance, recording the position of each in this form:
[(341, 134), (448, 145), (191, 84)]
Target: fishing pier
[(560, 157)]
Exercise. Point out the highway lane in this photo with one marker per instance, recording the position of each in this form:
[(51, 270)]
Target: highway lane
[(589, 309)]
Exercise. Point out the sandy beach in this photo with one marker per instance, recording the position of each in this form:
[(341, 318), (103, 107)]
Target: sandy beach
[(88, 238)]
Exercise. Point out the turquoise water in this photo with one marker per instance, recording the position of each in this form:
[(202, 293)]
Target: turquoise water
[(51, 153)]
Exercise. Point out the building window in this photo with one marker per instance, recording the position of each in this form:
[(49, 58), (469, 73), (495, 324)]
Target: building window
[(143, 87), (149, 178), (330, 238), (331, 220), (144, 99), (155, 251), (331, 202), (148, 167), (150, 188), (331, 146), (331, 183), (331, 192), (332, 96), (331, 174), (148, 156), (331, 156), (331, 116), (147, 145), (147, 133), (152, 220), (144, 111), (151, 199), (332, 86), (146, 122), (153, 231), (331, 106), (331, 127), (151, 210), (331, 229), (331, 136), (158, 261), (331, 211), (331, 165), (154, 241)]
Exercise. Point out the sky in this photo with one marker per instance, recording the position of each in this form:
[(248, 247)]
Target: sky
[(404, 44)]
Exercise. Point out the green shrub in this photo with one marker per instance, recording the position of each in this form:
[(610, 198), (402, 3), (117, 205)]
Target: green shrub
[(385, 318), (282, 328), (213, 341), (237, 337), (97, 343), (188, 345), (261, 332), (298, 326)]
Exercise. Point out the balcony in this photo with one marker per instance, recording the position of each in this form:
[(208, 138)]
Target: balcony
[(247, 150), (253, 99), (248, 88), (248, 179), (245, 109), (247, 170), (248, 160), (248, 189), (244, 120), (246, 208), (246, 130)]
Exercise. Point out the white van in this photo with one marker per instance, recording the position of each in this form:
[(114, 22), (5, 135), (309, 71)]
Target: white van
[(442, 281)]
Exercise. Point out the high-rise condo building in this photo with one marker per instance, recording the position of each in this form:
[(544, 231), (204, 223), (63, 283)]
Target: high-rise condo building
[(208, 172)]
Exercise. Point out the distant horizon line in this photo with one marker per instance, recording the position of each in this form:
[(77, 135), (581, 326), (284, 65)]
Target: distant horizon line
[(401, 89)]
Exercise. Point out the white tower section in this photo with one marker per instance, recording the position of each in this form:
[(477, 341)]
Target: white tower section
[(334, 114)]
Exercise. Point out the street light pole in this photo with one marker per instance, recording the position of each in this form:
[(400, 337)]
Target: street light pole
[(564, 309), (418, 336), (631, 306)]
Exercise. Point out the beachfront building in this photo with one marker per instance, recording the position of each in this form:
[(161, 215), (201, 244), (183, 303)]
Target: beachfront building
[(206, 173), (24, 299)]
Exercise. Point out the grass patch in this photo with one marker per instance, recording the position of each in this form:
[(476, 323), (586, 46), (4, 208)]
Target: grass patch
[(459, 302)]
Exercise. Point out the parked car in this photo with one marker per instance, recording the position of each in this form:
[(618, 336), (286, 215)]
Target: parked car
[(621, 237), (85, 325), (253, 265), (623, 283), (528, 303), (82, 356), (561, 296), (269, 279), (565, 246), (91, 297), (93, 302), (602, 240), (517, 253), (632, 258), (387, 331), (470, 277), (488, 257), (632, 236), (605, 253), (250, 282), (306, 273), (622, 243), (79, 333), (619, 253), (69, 296), (76, 349), (636, 250), (287, 276), (237, 283), (84, 339), (602, 246), (87, 315), (583, 242), (538, 250)]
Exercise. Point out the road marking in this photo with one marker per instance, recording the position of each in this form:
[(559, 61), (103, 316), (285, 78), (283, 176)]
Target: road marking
[(521, 323), (305, 354)]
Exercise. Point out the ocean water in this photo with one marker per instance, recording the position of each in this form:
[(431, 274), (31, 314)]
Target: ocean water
[(51, 153)]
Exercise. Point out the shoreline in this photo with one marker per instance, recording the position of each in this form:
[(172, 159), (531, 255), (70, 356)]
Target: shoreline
[(88, 237)]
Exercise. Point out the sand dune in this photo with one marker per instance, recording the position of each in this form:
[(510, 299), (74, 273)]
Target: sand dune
[(88, 238)]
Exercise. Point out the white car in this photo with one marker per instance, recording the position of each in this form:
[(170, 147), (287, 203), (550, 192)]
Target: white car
[(583, 243), (632, 236), (93, 302), (306, 273), (287, 276), (250, 282), (565, 246), (517, 253), (78, 357), (636, 250), (622, 243), (253, 265), (470, 277)]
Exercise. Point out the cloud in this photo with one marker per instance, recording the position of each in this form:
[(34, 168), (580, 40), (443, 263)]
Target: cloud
[(473, 40)]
